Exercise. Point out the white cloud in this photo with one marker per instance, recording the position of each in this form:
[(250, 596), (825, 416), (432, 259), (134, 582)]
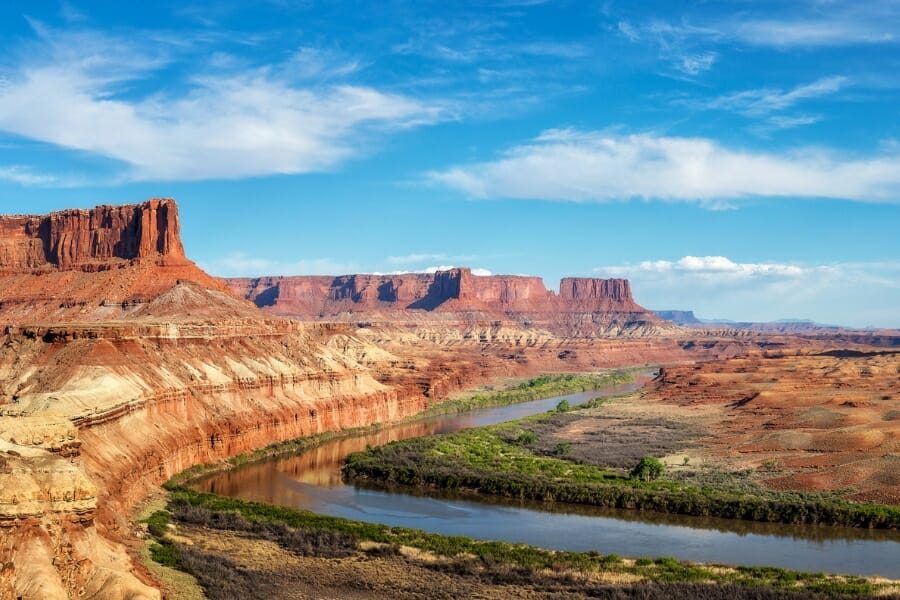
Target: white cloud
[(23, 175), (766, 100), (812, 33), (718, 287), (706, 266), (694, 64), (409, 259), (81, 91), (600, 166), (628, 30), (240, 264), (475, 271)]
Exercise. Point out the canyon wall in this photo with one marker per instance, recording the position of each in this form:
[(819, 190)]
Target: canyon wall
[(584, 307), (122, 363), (90, 265), (74, 239)]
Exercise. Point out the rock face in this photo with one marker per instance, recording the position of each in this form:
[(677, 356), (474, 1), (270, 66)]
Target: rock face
[(87, 239), (122, 363), (89, 265), (584, 307)]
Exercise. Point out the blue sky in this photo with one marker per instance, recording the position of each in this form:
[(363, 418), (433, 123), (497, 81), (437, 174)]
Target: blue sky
[(739, 158)]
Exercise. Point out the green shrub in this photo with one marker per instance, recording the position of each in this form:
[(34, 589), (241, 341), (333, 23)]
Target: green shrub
[(164, 553), (648, 469), (526, 437), (158, 523), (563, 406)]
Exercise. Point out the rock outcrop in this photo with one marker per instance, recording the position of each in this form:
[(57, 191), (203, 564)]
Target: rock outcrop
[(584, 307), (90, 265), (91, 239), (122, 363)]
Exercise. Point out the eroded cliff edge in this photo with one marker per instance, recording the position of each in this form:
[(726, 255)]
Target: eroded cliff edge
[(584, 307), (122, 363)]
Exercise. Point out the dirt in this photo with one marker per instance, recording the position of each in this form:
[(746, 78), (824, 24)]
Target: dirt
[(809, 422)]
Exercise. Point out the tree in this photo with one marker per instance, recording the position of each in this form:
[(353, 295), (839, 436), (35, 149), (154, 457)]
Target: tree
[(648, 469)]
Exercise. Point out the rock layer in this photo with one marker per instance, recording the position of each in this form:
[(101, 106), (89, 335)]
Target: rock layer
[(90, 239), (91, 265), (584, 307)]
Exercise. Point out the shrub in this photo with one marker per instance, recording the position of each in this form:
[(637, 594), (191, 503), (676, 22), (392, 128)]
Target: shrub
[(648, 469), (563, 406), (158, 523), (562, 448), (164, 554), (527, 437)]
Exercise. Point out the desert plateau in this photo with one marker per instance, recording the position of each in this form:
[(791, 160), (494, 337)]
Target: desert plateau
[(124, 365), (422, 300)]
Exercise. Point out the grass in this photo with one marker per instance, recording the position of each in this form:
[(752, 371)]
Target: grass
[(336, 536), (545, 386), (504, 460)]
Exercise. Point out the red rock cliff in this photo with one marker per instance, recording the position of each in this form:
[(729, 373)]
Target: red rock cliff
[(584, 306), (92, 265), (75, 239)]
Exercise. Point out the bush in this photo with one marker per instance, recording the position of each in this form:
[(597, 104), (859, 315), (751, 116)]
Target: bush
[(527, 437), (648, 469), (158, 523), (164, 554), (563, 406), (562, 448)]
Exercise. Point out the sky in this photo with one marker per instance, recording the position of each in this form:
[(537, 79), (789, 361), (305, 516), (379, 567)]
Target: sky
[(736, 158)]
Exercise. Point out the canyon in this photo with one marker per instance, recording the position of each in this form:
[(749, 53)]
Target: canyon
[(122, 363)]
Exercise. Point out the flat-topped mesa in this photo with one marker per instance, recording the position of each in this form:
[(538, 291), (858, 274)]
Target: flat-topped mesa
[(102, 264), (584, 307), (83, 239), (598, 294)]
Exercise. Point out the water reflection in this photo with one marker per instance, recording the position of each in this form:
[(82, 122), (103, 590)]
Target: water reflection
[(312, 481)]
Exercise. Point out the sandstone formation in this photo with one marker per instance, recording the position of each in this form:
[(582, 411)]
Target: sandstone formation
[(98, 264), (122, 363), (584, 307)]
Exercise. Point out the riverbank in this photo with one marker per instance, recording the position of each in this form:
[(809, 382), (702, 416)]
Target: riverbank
[(543, 386), (221, 541), (515, 460)]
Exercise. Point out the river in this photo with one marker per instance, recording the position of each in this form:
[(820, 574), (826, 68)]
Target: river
[(312, 481)]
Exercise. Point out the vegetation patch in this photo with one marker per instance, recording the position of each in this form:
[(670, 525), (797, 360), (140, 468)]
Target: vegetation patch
[(510, 460), (497, 562), (545, 386), (538, 388)]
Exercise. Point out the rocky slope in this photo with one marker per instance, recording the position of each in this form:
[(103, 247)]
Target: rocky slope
[(91, 265), (583, 308), (122, 363)]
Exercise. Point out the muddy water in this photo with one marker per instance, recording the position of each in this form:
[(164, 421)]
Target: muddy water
[(312, 481)]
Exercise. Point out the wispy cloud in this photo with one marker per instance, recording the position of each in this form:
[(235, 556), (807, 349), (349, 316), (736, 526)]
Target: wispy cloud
[(716, 286), (763, 101), (478, 271), (23, 175), (241, 264), (566, 164), (80, 91), (812, 32), (710, 267)]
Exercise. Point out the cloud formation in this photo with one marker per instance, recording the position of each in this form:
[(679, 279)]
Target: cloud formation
[(241, 264), (719, 287), (598, 166), (90, 92), (763, 101)]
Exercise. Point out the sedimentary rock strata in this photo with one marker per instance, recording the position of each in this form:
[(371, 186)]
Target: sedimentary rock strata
[(584, 307)]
